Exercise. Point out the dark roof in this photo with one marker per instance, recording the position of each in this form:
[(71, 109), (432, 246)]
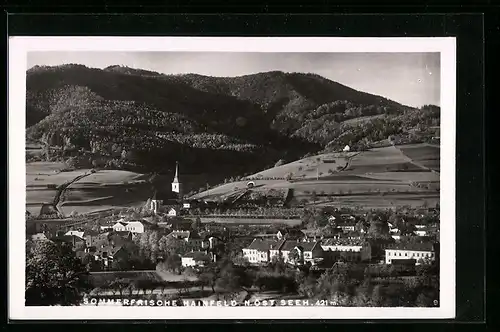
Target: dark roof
[(109, 249), (265, 245), (185, 234), (308, 246), (292, 232), (342, 242), (423, 246), (67, 238), (197, 255), (289, 245)]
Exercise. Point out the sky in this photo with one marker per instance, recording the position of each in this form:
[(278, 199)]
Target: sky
[(412, 79)]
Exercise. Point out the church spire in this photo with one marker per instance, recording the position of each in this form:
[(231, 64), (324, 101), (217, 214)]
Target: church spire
[(176, 177), (176, 185)]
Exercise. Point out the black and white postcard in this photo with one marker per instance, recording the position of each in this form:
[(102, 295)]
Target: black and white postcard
[(231, 178)]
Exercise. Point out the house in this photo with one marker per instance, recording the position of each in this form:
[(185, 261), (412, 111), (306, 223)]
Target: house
[(192, 239), (195, 258), (346, 148), (307, 251), (418, 251), (75, 233), (311, 252), (109, 253), (134, 226), (88, 236), (74, 241), (342, 244), (310, 235), (347, 226), (420, 232), (259, 250), (39, 237), (275, 249), (209, 242), (174, 212)]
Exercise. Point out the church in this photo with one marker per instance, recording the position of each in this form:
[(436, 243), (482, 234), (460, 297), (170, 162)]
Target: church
[(172, 199)]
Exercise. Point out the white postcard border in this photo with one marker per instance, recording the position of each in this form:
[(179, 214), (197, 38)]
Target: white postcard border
[(18, 48)]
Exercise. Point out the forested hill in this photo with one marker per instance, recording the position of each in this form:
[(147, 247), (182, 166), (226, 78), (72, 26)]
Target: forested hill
[(200, 119)]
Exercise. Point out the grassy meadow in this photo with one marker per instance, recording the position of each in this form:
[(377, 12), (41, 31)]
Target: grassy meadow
[(383, 177), (102, 190)]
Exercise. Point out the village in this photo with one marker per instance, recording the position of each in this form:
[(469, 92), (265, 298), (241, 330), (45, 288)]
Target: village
[(168, 236)]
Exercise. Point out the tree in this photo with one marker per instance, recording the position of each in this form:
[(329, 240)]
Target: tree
[(169, 245), (196, 225), (294, 256), (377, 297), (54, 275), (378, 229), (173, 263), (314, 196)]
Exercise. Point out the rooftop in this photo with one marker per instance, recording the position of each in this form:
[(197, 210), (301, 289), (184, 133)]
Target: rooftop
[(419, 246), (197, 255), (264, 245), (342, 242)]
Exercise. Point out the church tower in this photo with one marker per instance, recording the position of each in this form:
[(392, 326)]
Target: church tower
[(176, 185)]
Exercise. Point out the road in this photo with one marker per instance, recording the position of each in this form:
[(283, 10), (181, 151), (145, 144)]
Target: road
[(63, 187)]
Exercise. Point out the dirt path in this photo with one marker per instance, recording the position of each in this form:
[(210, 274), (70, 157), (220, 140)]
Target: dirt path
[(61, 189)]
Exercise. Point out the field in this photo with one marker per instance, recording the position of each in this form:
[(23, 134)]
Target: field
[(423, 154), (102, 190), (365, 179)]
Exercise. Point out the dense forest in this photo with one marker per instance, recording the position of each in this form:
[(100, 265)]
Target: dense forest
[(122, 117)]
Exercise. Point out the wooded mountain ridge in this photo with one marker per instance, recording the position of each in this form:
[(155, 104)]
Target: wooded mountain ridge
[(147, 119)]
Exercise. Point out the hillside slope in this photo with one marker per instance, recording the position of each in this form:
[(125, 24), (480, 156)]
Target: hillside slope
[(131, 117)]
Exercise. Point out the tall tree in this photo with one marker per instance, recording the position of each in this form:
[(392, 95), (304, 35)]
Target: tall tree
[(54, 275)]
